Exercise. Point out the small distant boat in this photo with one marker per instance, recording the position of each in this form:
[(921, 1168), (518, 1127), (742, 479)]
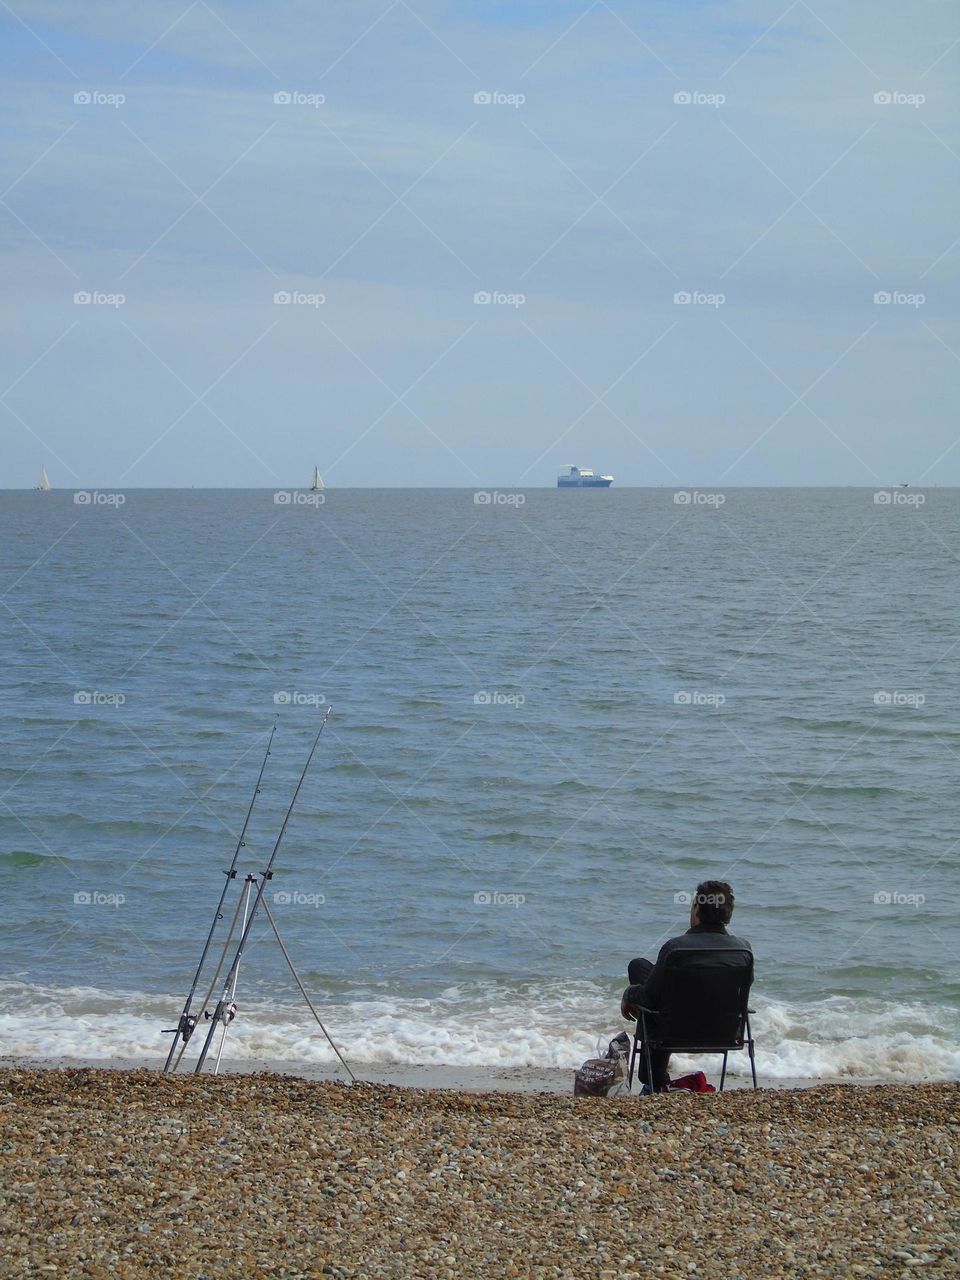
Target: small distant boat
[(44, 480), (317, 481), (582, 478)]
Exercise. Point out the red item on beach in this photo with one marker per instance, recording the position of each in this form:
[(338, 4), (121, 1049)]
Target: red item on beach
[(697, 1082)]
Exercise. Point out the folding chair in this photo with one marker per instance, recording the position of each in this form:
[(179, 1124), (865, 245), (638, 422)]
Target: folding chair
[(703, 1008)]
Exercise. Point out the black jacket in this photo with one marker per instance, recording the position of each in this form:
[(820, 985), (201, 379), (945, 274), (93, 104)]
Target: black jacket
[(699, 937)]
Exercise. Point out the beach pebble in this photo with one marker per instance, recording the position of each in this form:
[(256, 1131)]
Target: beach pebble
[(109, 1174)]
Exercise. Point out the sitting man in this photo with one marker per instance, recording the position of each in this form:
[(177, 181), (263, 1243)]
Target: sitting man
[(710, 914)]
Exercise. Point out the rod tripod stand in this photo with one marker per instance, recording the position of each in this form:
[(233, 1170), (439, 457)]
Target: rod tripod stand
[(251, 899), (226, 1009)]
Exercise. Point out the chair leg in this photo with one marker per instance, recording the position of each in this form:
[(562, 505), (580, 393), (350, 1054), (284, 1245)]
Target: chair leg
[(753, 1061), (723, 1072), (647, 1055), (633, 1059)]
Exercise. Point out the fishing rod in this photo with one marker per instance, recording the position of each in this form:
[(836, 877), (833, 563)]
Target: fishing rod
[(226, 1009), (185, 1027), (241, 906), (232, 1006)]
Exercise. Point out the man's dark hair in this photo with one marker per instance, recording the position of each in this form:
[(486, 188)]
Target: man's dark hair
[(715, 901)]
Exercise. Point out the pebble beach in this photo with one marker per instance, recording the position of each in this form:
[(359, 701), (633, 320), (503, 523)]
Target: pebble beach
[(126, 1174)]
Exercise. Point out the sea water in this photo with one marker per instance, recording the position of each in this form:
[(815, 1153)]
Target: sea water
[(554, 713)]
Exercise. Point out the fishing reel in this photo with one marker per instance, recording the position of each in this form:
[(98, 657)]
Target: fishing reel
[(185, 1027), (225, 1012)]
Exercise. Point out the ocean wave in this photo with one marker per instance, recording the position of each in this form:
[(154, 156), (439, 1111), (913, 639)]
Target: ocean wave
[(856, 791), (480, 1026), (847, 724), (23, 858)]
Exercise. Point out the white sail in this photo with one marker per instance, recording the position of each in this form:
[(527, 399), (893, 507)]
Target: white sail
[(44, 480), (317, 481)]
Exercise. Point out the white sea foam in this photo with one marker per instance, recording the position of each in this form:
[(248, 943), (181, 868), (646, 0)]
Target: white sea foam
[(837, 1039)]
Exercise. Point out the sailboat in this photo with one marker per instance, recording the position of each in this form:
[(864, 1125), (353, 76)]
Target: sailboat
[(317, 481), (44, 480)]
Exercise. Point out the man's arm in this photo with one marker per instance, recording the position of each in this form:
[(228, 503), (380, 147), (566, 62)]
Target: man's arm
[(646, 993)]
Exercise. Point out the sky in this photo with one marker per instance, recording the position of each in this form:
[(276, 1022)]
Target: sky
[(424, 243)]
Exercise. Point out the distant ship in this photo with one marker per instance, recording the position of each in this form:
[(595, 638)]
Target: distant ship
[(317, 481), (581, 478), (44, 482)]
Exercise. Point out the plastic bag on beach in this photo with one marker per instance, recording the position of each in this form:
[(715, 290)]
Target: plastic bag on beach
[(606, 1075)]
